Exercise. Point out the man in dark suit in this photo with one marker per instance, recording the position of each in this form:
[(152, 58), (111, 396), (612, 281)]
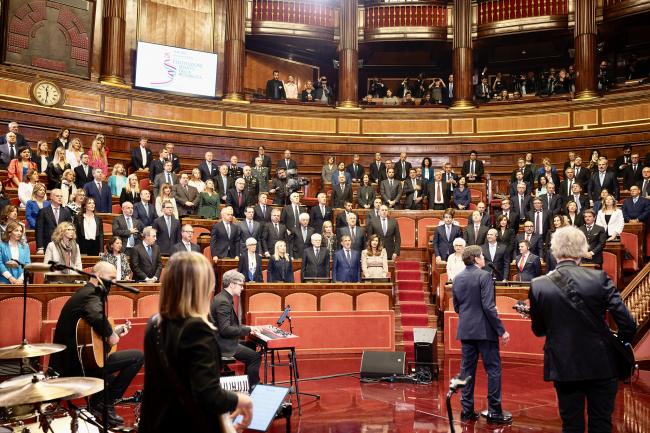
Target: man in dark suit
[(301, 236), (230, 330), (146, 261), (224, 239), (250, 261), (346, 264), (186, 243), (342, 217), (234, 170), (528, 265), (581, 174), (237, 198), (551, 201), (208, 168), (475, 233), (635, 207), (519, 178), (527, 175), (506, 209), (566, 186), (390, 190), (273, 232), (581, 200), (291, 212), (438, 194), (223, 183), (167, 176), (355, 169), (402, 167), (249, 228), (141, 156), (275, 87), (540, 217), (596, 238), (320, 213), (262, 211), (472, 168), (376, 169), (100, 192), (357, 234), (144, 210), (521, 202), (289, 165), (603, 179), (280, 188), (48, 218), (497, 255), (158, 165), (443, 239), (644, 184), (479, 329), (251, 185), (576, 358), (168, 229), (83, 173), (388, 231), (266, 161), (315, 260), (341, 193), (373, 213), (623, 161), (127, 227), (534, 240), (414, 190), (171, 156), (449, 178), (482, 91), (633, 173), (14, 128), (187, 196)]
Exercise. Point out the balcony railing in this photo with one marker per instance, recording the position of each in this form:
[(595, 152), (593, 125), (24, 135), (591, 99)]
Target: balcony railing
[(406, 15), (500, 10), (295, 12)]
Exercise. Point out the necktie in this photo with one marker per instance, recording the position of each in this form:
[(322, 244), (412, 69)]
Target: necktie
[(438, 193), (342, 187), (12, 152), (129, 226), (250, 226), (384, 226), (169, 178), (634, 167), (476, 230), (522, 261), (322, 210), (471, 168), (316, 251), (527, 238), (602, 178), (390, 183), (521, 204), (348, 255), (169, 226), (644, 186), (277, 228), (239, 198), (538, 222), (589, 230), (227, 229), (570, 187), (448, 229), (577, 171), (146, 209), (56, 214), (415, 191), (352, 236), (99, 187), (304, 235), (187, 190), (296, 215), (149, 252)]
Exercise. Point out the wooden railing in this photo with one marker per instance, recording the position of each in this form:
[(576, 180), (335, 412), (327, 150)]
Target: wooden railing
[(406, 15), (295, 12), (637, 299), (499, 10)]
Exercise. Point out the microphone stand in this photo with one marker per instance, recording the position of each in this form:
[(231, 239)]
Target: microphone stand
[(103, 290)]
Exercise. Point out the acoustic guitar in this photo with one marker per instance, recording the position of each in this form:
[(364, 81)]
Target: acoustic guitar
[(91, 346)]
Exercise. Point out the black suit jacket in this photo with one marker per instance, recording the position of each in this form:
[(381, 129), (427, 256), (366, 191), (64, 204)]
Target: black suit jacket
[(610, 183), (262, 216), (146, 218), (157, 166), (355, 174), (583, 177), (275, 89), (232, 199), (536, 243), (501, 260), (242, 267), (208, 173), (513, 218), (375, 172), (596, 240), (478, 169), (80, 177), (136, 158), (391, 240), (219, 185), (280, 271), (631, 176), (554, 205), (45, 224), (144, 267), (180, 247), (573, 351), (583, 199), (399, 173), (223, 246), (442, 246), (298, 245), (290, 166), (120, 229), (257, 234), (342, 219), (359, 242), (409, 192), (470, 234), (288, 218), (164, 240), (316, 218), (225, 318), (431, 194), (315, 267), (340, 197), (546, 220), (532, 268), (521, 211), (271, 236)]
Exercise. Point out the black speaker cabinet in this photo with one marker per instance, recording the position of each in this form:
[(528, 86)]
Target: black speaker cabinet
[(382, 364)]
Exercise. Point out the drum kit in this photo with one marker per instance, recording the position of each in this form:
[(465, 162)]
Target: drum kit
[(30, 402)]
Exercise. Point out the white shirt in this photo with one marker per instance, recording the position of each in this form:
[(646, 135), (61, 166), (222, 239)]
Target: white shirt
[(291, 90), (143, 152), (90, 227), (118, 265)]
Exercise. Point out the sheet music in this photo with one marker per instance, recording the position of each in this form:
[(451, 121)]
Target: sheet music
[(266, 402)]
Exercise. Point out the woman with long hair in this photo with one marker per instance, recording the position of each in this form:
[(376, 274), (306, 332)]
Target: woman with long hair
[(76, 201), (181, 341), (131, 191), (98, 155), (68, 186), (374, 262), (64, 249), (56, 168), (593, 161), (571, 212), (43, 157), (74, 153), (209, 201), (505, 235), (90, 229), (461, 195), (166, 194), (117, 258), (280, 267), (196, 181), (34, 205), (8, 215), (117, 179), (541, 186), (610, 217), (427, 170), (327, 171), (26, 187), (13, 247), (366, 193), (62, 139), (19, 167)]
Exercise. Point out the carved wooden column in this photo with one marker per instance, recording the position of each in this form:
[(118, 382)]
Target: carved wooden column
[(462, 54), (235, 50), (348, 56), (585, 49), (113, 30)]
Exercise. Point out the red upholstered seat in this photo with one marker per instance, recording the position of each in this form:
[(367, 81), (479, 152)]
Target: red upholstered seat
[(372, 301), (207, 253), (144, 183), (301, 301), (11, 321), (296, 275), (406, 231), (336, 302), (264, 275), (264, 302), (609, 265), (462, 221), (120, 306), (631, 243), (54, 307), (32, 247), (148, 305), (422, 230), (108, 228)]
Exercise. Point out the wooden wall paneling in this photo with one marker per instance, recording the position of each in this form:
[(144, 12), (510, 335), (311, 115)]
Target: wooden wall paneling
[(14, 88), (116, 105), (236, 120), (462, 126), (625, 113), (83, 100), (349, 126), (176, 114), (293, 123), (405, 126), (259, 69), (582, 118), (504, 124)]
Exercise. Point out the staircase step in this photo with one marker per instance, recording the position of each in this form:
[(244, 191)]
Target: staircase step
[(410, 285), (413, 307), (415, 320), (410, 295), (409, 275), (407, 265)]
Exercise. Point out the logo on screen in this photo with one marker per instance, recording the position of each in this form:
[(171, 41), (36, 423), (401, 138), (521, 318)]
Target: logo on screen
[(169, 68)]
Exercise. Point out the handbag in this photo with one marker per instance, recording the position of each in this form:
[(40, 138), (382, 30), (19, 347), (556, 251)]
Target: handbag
[(623, 352)]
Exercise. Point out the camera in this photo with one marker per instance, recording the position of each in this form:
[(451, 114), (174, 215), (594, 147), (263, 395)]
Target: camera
[(294, 184)]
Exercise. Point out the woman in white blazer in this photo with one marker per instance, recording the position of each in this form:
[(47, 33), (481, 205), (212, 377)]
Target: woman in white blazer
[(610, 217)]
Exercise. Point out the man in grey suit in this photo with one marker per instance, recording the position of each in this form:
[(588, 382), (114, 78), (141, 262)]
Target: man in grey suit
[(479, 329), (357, 234), (497, 255), (577, 359), (301, 235), (387, 230), (127, 227), (8, 149), (414, 191), (187, 196), (391, 190), (346, 264), (165, 177), (250, 228), (475, 232), (315, 260), (145, 258)]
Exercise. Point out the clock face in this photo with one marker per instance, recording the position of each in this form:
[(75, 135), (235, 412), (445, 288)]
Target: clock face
[(47, 93)]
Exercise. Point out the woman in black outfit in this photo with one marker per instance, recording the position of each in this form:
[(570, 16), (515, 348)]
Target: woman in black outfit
[(62, 140), (181, 382), (280, 268), (505, 235), (90, 229), (56, 168)]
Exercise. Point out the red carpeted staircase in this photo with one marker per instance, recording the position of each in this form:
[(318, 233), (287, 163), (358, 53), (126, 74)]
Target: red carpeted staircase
[(411, 281)]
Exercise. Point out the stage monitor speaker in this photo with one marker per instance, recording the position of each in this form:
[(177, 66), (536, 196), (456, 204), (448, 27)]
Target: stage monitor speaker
[(382, 364), (426, 356)]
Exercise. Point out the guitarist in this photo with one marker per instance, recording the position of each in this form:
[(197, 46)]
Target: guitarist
[(581, 364), (121, 366)]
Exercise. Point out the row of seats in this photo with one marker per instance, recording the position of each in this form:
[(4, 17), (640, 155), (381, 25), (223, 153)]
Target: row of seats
[(299, 301)]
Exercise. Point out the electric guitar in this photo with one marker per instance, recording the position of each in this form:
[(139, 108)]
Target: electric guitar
[(91, 346)]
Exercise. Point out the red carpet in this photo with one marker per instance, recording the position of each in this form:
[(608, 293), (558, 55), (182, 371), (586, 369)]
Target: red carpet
[(411, 285)]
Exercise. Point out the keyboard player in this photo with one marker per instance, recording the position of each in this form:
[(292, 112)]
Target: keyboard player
[(230, 331)]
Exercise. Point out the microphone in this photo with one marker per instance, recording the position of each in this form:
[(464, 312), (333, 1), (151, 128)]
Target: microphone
[(30, 267), (284, 316), (457, 383)]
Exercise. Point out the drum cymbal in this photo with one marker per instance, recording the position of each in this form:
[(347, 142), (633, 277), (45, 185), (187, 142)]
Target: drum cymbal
[(30, 350), (63, 388), (21, 380)]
